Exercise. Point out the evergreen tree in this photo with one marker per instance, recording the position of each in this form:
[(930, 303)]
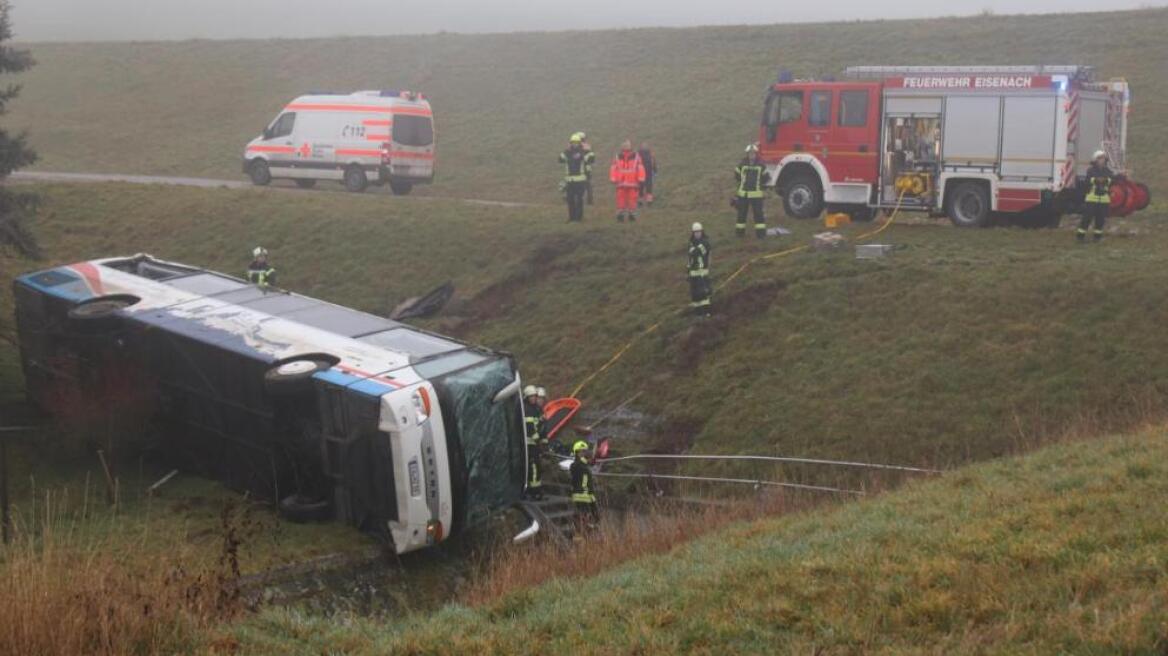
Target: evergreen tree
[(16, 208)]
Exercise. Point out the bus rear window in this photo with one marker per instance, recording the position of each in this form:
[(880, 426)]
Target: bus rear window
[(410, 130)]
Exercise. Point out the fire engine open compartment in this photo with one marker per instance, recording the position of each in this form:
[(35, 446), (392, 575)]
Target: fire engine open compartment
[(965, 142), (329, 411)]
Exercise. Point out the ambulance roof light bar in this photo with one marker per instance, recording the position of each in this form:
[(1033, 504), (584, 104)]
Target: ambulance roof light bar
[(1081, 73)]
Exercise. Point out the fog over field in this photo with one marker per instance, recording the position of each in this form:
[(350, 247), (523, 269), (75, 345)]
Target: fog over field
[(87, 20)]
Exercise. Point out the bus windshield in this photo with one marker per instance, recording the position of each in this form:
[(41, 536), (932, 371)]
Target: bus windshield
[(484, 438)]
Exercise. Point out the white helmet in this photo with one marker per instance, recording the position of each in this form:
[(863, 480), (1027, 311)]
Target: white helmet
[(1098, 154), (259, 250), (696, 227), (541, 392), (530, 391), (752, 148)]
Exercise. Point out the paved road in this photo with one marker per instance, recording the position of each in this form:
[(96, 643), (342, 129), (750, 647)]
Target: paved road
[(211, 183)]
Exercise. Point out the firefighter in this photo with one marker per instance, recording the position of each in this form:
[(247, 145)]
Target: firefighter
[(649, 160), (698, 271), (628, 174), (536, 432), (583, 496), (752, 178), (1097, 203), (260, 272), (577, 164)]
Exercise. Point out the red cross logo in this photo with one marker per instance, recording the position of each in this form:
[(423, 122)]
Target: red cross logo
[(305, 149)]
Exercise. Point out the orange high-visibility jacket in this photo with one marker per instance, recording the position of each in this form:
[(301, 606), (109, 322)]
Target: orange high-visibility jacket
[(627, 170)]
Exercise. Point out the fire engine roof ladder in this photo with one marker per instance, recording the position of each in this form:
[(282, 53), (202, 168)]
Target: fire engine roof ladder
[(1081, 73)]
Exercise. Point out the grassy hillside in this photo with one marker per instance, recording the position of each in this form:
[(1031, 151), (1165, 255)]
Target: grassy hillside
[(961, 345), (1060, 552), (506, 103)]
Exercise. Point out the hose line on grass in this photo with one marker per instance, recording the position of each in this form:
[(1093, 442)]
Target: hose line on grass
[(740, 481), (745, 265)]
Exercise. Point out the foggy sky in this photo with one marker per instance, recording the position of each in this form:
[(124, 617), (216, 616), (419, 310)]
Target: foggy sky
[(76, 20)]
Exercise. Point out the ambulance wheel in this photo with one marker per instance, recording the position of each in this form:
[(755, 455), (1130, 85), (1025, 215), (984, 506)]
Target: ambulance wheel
[(259, 173), (400, 188), (305, 184), (802, 197), (355, 179), (293, 376), (968, 205)]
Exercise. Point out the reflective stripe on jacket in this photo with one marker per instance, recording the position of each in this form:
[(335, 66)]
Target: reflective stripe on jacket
[(582, 482), (262, 275), (577, 164), (1099, 184), (751, 177), (627, 170), (535, 428), (699, 257)]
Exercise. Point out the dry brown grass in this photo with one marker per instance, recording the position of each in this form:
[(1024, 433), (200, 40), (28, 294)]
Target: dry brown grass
[(66, 592)]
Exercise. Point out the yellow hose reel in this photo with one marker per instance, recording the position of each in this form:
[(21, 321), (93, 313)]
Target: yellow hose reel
[(916, 183)]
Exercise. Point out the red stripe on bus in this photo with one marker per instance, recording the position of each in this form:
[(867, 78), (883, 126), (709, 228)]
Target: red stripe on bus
[(91, 275), (272, 149)]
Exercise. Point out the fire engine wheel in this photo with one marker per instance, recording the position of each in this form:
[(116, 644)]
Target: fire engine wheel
[(802, 198), (400, 188), (969, 205), (303, 509), (305, 184), (259, 173), (293, 376), (355, 179)]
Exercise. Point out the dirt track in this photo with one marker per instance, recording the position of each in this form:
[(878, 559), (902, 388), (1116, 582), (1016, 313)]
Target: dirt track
[(211, 183)]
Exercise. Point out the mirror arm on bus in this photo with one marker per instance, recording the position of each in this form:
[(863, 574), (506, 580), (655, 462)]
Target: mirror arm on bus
[(507, 392)]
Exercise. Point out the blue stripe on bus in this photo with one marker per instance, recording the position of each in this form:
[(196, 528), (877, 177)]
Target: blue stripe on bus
[(355, 383), (49, 282)]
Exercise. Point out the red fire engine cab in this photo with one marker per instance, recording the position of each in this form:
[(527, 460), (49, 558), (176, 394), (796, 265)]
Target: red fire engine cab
[(964, 142)]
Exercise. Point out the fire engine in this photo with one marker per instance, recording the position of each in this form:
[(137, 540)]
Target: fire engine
[(965, 142)]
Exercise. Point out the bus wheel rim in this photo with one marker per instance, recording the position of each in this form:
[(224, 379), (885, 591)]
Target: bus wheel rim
[(295, 368)]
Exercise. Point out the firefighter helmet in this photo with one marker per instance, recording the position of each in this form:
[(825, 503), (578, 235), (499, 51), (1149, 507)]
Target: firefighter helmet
[(696, 227), (576, 138), (530, 390), (1098, 154), (541, 392), (579, 446), (259, 251), (752, 148)]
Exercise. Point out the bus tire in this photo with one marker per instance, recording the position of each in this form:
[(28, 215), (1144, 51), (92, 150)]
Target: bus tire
[(302, 509), (99, 313), (305, 183), (400, 188), (355, 179), (802, 197), (293, 376), (968, 205), (260, 174)]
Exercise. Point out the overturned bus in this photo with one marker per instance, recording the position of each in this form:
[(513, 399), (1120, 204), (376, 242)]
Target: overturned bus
[(378, 424)]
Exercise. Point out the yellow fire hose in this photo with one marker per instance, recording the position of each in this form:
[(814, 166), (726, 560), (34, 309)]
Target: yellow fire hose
[(745, 265)]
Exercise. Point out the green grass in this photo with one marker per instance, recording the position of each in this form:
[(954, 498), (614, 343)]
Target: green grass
[(505, 104), (1062, 551)]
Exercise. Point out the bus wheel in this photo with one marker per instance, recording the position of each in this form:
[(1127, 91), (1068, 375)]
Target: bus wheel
[(355, 180), (305, 183), (259, 173), (969, 205), (302, 509), (802, 198), (99, 313), (400, 188), (293, 376)]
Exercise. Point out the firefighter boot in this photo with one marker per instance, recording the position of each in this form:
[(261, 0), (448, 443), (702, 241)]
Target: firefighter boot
[(1098, 236), (620, 217), (1081, 236)]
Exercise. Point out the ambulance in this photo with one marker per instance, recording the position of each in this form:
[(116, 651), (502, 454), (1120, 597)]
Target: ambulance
[(357, 139)]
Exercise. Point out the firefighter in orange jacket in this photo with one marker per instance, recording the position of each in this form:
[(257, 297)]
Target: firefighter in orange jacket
[(627, 173)]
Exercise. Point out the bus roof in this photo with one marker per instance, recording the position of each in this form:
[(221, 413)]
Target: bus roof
[(263, 323)]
